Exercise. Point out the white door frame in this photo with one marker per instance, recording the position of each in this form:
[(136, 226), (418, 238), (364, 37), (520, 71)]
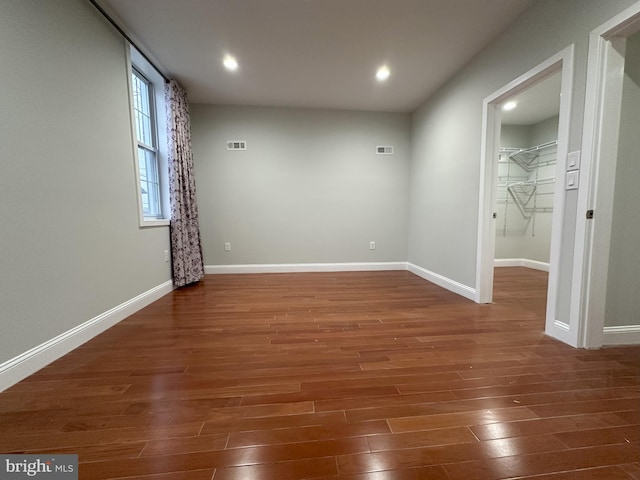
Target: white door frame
[(605, 74), (491, 120)]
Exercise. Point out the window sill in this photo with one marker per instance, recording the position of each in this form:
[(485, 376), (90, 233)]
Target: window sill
[(154, 222)]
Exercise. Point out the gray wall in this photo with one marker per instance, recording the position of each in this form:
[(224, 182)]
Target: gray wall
[(308, 189), (70, 247), (544, 131), (623, 301), (510, 243), (522, 136), (537, 240), (447, 131), (515, 136)]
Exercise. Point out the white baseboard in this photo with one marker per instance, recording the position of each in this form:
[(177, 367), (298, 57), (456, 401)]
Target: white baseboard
[(432, 277), (560, 331), (444, 282), (18, 368), (521, 262), (305, 267), (624, 335)]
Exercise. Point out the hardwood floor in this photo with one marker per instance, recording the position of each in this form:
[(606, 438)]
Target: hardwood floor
[(345, 376)]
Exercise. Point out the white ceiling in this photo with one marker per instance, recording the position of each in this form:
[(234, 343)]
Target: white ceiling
[(536, 103), (314, 53)]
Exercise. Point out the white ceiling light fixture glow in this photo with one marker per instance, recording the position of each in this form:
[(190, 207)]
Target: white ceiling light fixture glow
[(509, 106), (230, 63), (383, 73)]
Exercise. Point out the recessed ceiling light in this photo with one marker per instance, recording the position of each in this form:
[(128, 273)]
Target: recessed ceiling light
[(230, 63), (509, 106), (383, 73)]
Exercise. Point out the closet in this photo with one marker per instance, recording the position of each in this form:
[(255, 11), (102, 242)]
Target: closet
[(525, 188)]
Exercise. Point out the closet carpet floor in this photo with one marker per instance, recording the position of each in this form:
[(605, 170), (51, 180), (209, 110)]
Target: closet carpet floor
[(345, 376)]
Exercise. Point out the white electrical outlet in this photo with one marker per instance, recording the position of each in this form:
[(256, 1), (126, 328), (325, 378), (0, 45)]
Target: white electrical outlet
[(372, 245), (227, 246), (166, 256)]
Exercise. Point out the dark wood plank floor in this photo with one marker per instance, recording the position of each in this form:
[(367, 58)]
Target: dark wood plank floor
[(347, 376)]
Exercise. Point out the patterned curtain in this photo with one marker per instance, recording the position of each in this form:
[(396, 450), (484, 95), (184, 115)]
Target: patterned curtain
[(186, 250)]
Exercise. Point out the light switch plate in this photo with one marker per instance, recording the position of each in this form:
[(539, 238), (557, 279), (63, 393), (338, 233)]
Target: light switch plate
[(573, 161), (572, 180)]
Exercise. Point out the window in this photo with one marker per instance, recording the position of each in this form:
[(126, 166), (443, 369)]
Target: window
[(148, 117), (143, 112)]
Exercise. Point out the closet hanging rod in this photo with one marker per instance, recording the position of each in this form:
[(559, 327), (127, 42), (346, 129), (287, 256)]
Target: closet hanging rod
[(539, 181), (541, 146), (553, 143)]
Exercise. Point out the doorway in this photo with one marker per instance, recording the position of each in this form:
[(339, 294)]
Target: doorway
[(561, 65), (606, 263), (526, 175), (525, 187)]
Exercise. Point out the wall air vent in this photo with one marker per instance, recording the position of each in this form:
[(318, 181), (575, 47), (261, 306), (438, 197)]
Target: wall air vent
[(236, 145), (384, 150)]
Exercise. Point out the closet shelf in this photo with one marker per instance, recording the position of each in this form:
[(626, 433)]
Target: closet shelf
[(527, 158), (522, 193), (520, 184)]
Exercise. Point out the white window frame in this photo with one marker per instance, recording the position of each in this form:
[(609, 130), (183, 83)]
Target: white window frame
[(135, 61)]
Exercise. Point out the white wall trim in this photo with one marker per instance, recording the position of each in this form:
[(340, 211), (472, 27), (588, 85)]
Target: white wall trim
[(622, 335), (605, 70), (521, 262), (428, 275), (304, 267), (561, 331), (444, 282), (563, 61), (18, 368)]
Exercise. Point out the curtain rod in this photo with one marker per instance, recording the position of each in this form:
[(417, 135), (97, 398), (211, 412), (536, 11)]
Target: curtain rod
[(124, 34)]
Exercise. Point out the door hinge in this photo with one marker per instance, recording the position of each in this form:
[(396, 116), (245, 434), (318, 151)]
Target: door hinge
[(589, 214)]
